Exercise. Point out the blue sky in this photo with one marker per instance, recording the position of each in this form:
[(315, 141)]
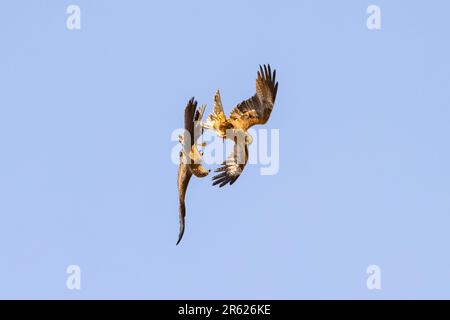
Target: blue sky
[(86, 176)]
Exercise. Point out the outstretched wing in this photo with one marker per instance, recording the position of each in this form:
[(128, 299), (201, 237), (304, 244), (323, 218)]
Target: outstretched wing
[(217, 120), (193, 130), (257, 109), (193, 120), (190, 157), (184, 175), (233, 166), (189, 115)]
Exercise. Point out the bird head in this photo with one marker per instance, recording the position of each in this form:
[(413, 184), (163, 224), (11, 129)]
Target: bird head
[(248, 139)]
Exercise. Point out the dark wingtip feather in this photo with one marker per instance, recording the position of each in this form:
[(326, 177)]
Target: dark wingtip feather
[(220, 169), (234, 180), (223, 183), (180, 237), (221, 179), (275, 91), (217, 176)]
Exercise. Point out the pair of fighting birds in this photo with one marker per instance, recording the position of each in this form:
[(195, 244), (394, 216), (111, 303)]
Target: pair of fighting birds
[(255, 110)]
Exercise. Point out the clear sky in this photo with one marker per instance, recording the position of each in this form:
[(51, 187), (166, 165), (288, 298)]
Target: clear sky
[(85, 172)]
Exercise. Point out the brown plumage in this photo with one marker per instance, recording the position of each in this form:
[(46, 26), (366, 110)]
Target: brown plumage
[(250, 112), (190, 157)]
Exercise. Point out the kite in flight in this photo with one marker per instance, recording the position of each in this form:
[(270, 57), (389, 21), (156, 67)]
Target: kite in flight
[(255, 110), (250, 112), (190, 157)]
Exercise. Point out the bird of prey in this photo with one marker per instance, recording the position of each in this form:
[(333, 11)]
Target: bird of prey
[(190, 157), (255, 110)]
